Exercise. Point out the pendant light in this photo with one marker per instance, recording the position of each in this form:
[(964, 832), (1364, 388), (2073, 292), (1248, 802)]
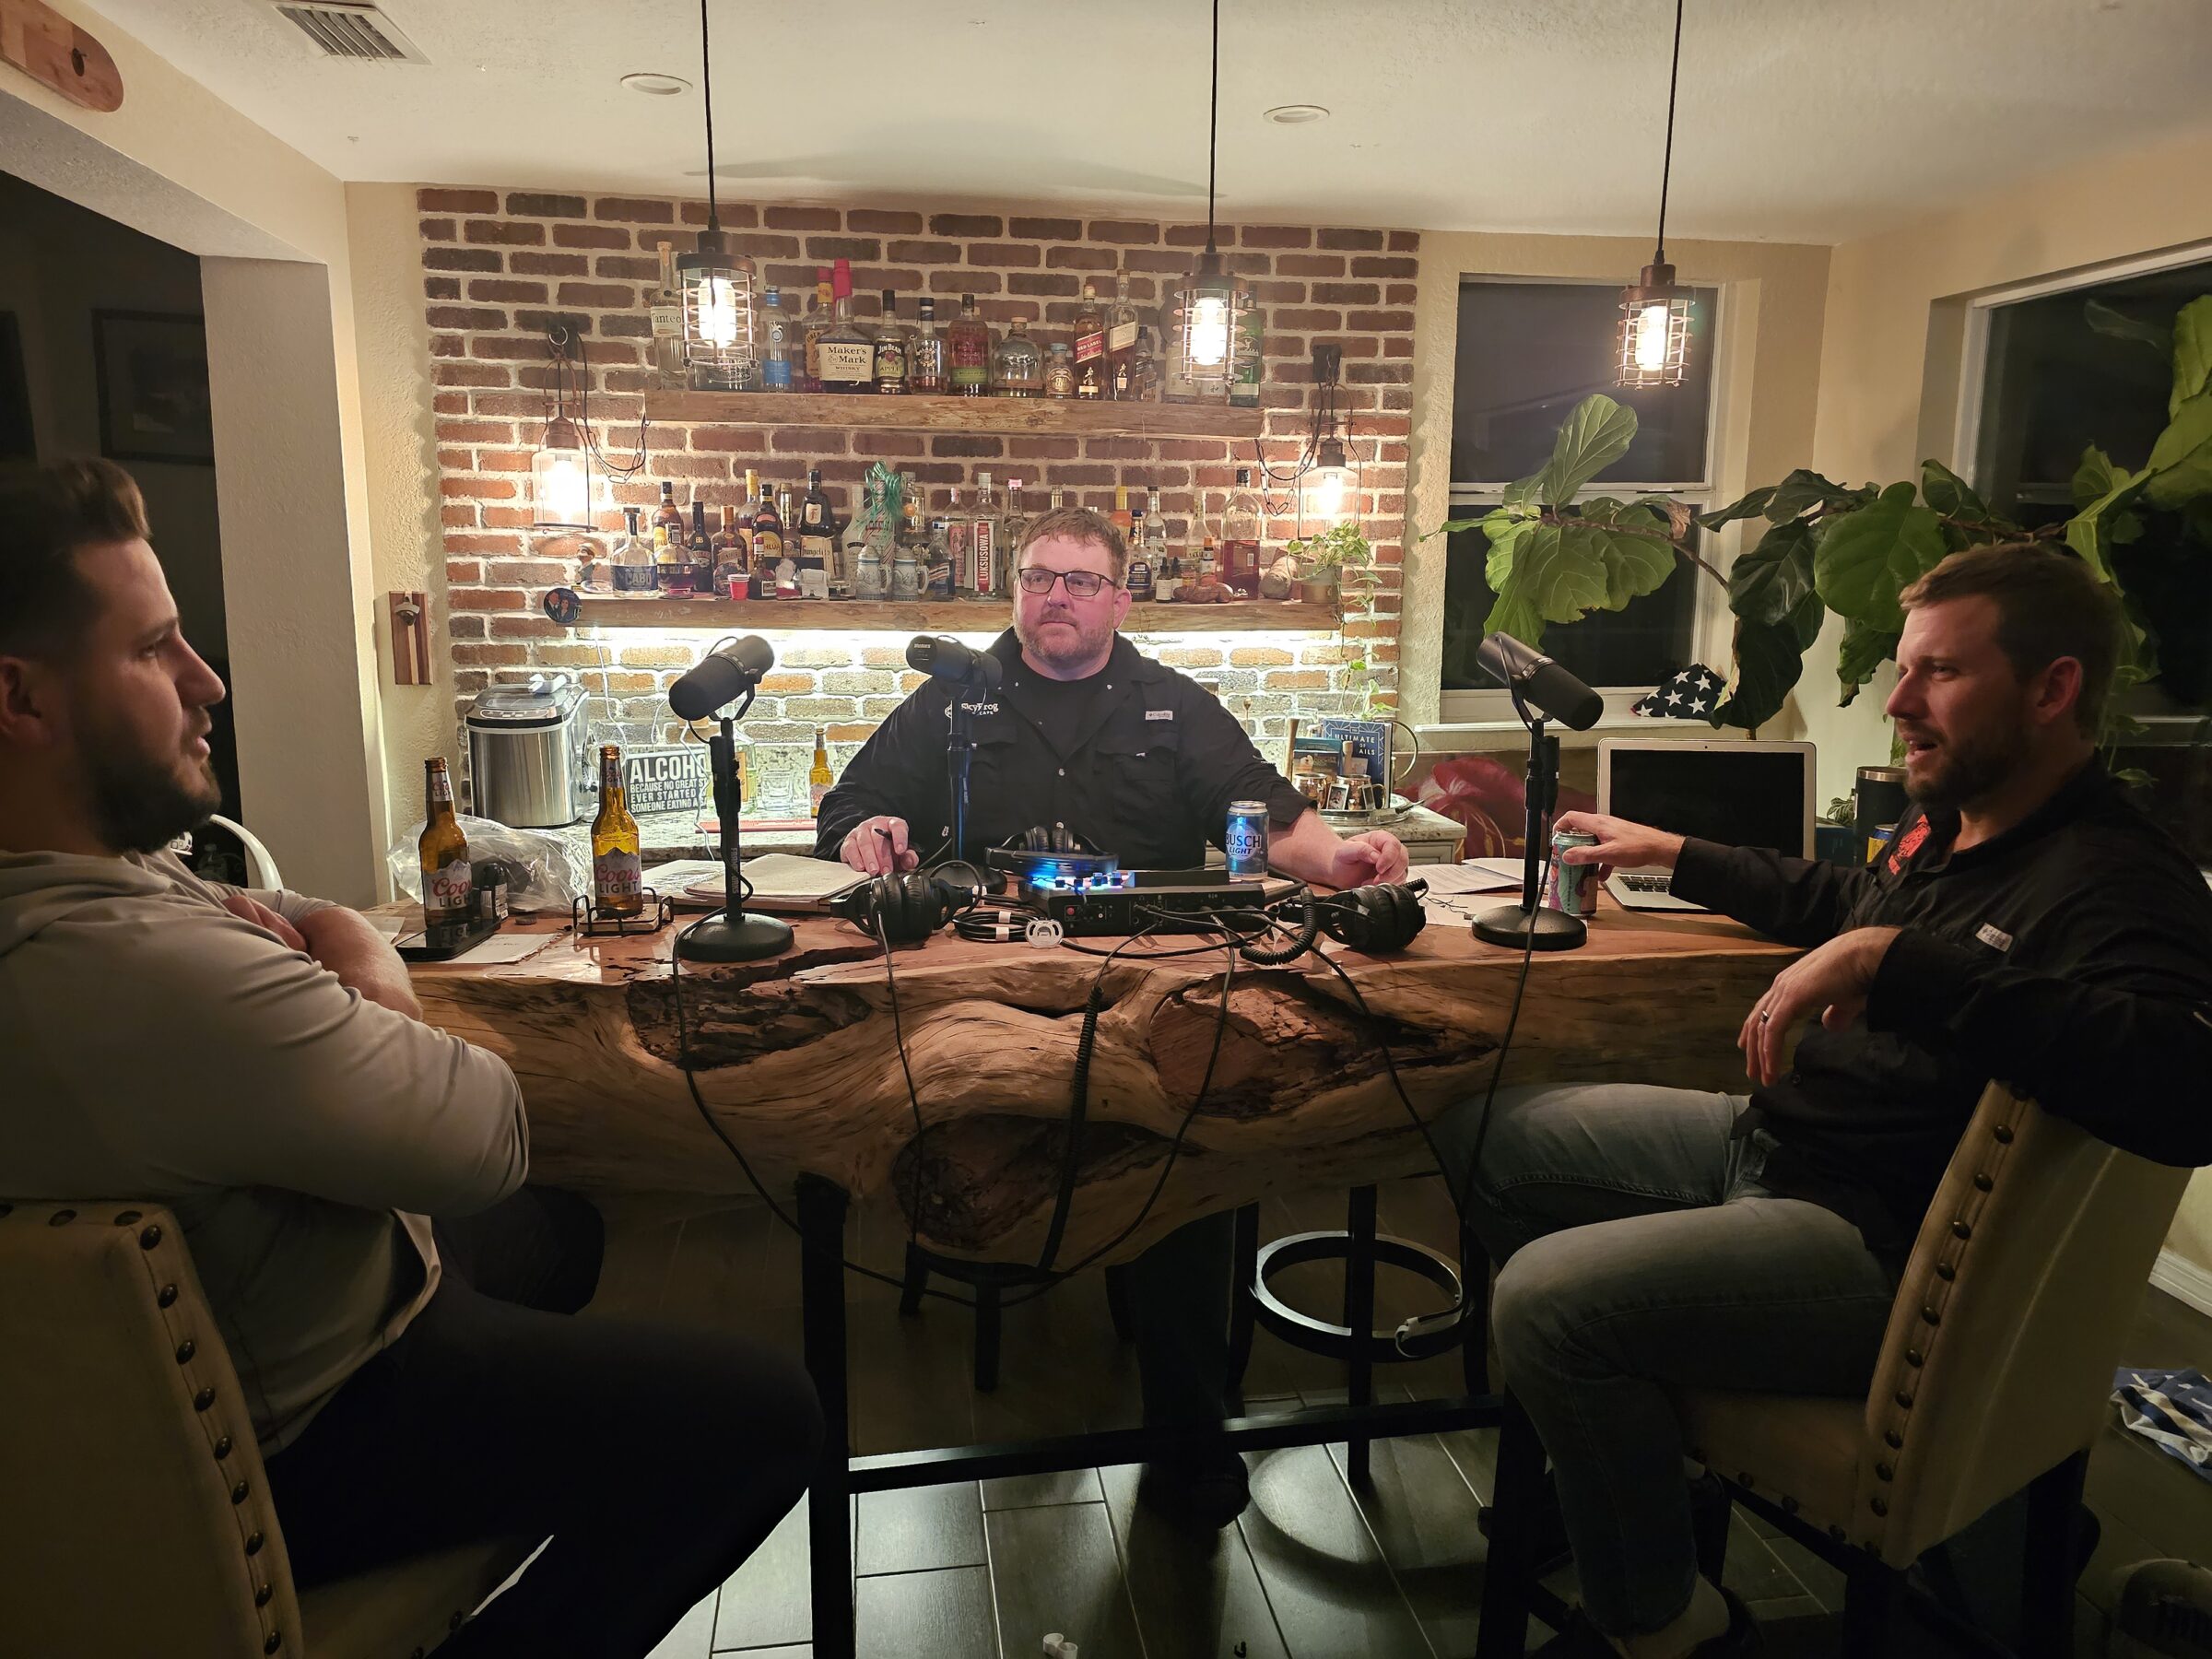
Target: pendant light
[(1211, 302), (562, 493), (720, 345), (1655, 311)]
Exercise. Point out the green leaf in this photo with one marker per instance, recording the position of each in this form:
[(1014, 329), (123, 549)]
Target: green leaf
[(1770, 660), (1863, 651), (1506, 533), (1805, 489), (2093, 477), (1635, 565), (2118, 325), (2192, 353), (1594, 436), (1951, 495), (2181, 461), (1766, 584), (2096, 528), (1560, 573), (1869, 555), (1752, 506), (1806, 619)]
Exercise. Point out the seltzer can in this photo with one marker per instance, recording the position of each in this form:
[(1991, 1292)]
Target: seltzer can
[(1569, 887), (1244, 842)]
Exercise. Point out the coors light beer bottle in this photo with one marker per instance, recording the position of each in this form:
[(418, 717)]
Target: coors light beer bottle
[(448, 899), (618, 886)]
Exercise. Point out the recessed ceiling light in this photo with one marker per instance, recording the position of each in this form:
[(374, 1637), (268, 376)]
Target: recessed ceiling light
[(655, 84), (1297, 115)]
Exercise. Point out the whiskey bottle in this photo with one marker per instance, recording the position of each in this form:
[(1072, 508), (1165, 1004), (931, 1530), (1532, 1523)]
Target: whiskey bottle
[(1138, 578), (775, 343), (667, 309), (927, 366), (671, 564), (846, 350), (1060, 371), (820, 781), (891, 349), (768, 545), (729, 557), (1122, 327), (968, 347), (787, 568), (668, 516), (617, 884), (448, 888), (1017, 365), (818, 322), (1091, 337), (1245, 390), (818, 527), (1119, 518)]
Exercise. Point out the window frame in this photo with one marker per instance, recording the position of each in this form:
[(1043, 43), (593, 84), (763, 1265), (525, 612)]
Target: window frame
[(1709, 629)]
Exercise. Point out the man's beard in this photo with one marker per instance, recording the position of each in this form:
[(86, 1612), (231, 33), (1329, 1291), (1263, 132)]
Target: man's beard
[(1088, 644), (1970, 767), (140, 804)]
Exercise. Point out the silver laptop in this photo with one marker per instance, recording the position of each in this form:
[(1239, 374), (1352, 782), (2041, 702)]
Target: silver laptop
[(1741, 793)]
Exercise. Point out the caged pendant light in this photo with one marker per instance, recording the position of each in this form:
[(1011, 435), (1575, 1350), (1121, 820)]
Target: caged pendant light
[(1655, 311), (720, 343), (1211, 303)]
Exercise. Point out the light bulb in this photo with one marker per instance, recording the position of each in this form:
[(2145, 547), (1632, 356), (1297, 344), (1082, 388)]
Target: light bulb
[(1325, 494), (718, 313), (1209, 330), (559, 483), (1651, 336)]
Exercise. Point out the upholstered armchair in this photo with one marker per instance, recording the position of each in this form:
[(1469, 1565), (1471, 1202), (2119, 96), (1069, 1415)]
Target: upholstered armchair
[(133, 1514), (1993, 1378)]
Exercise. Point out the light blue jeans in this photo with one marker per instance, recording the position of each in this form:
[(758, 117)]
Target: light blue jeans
[(1638, 1251)]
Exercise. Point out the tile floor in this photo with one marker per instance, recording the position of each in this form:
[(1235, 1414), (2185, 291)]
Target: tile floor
[(1315, 1569)]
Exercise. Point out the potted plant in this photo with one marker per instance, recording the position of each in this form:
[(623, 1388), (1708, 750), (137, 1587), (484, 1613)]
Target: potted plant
[(1323, 562)]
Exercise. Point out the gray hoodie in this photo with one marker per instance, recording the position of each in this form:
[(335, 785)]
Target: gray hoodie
[(155, 1047)]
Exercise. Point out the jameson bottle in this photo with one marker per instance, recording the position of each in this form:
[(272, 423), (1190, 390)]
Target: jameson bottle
[(617, 884), (447, 900)]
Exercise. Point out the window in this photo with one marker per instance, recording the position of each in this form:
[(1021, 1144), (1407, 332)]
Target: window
[(1528, 352)]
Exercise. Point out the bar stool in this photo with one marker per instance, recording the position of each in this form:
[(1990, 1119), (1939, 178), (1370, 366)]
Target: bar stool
[(1356, 1341)]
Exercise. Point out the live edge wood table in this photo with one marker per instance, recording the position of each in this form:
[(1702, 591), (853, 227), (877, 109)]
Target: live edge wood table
[(796, 1059)]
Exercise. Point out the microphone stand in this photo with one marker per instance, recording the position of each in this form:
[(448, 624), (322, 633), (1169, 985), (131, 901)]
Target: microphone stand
[(1531, 925), (736, 935)]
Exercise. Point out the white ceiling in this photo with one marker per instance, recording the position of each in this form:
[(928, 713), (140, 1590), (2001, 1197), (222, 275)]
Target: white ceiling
[(1800, 119)]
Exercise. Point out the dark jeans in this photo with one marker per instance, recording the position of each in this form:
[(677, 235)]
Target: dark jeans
[(657, 1459)]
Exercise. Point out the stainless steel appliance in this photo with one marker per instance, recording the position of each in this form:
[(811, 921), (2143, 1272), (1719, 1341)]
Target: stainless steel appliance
[(528, 761)]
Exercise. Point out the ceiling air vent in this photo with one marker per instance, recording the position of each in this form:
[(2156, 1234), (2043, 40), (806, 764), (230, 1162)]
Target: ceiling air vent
[(341, 29)]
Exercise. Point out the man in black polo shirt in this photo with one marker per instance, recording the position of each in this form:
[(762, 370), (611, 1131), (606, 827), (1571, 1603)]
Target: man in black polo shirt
[(1137, 760), (2027, 923)]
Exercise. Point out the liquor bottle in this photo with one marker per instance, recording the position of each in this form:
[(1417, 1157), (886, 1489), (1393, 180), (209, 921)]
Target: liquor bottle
[(1060, 372), (729, 557), (1244, 390), (927, 368), (668, 516), (699, 541), (968, 347), (854, 543), (1144, 367), (1241, 539), (768, 545), (1209, 560), (817, 526), (668, 307), (818, 322), (1119, 517), (775, 343), (1058, 500), (787, 568), (448, 888), (746, 508), (1089, 387), (1138, 579), (984, 521), (820, 779), (617, 883), (672, 565), (633, 563), (949, 544), (891, 348), (1013, 524), (1122, 326), (847, 351), (1017, 365), (1090, 336)]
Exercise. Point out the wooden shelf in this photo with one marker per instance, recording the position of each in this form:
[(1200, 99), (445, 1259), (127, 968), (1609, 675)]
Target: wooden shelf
[(940, 615), (912, 414)]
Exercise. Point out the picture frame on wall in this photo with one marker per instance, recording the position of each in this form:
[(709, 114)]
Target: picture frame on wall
[(152, 371)]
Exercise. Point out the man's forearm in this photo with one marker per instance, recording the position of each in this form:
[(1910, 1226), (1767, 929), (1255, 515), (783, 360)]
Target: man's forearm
[(343, 942), (1304, 847)]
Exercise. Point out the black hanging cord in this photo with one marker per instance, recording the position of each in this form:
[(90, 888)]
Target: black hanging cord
[(1666, 168), (1213, 126), (706, 84)]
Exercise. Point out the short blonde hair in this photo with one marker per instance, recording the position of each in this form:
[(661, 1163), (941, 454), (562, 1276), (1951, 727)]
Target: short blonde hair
[(1080, 524)]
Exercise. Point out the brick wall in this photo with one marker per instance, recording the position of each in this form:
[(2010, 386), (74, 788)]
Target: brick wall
[(497, 266)]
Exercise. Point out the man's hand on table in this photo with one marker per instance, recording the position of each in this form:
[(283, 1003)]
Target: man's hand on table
[(1832, 980), (878, 847), (1370, 856)]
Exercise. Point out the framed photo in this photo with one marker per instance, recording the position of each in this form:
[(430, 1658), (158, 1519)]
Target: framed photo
[(152, 370)]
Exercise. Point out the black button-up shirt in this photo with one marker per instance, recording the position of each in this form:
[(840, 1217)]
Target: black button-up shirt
[(2070, 957), (1138, 761)]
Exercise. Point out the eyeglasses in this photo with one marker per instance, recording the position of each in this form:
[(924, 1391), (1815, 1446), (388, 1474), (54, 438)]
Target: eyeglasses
[(1081, 585)]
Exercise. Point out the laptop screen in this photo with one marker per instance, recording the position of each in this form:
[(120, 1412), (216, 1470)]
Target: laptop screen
[(1740, 797)]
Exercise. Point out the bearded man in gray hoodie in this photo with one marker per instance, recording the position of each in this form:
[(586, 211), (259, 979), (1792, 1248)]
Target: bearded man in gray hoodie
[(349, 1179)]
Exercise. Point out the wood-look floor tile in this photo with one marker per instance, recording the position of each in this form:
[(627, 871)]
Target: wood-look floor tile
[(1753, 1570), (1196, 1592), (1056, 1568), (693, 1635), (1036, 1491), (921, 1529), (945, 1614), (1333, 1595), (770, 1600)]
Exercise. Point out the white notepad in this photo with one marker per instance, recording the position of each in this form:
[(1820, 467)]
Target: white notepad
[(787, 882)]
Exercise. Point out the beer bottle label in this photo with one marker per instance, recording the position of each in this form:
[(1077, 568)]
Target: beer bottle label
[(447, 890), (616, 876)]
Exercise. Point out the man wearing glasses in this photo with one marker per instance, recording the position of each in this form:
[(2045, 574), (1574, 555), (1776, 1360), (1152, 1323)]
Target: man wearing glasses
[(1137, 760)]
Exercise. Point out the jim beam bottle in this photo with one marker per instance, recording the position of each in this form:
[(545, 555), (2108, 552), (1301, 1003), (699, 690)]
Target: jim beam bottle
[(617, 883), (448, 896)]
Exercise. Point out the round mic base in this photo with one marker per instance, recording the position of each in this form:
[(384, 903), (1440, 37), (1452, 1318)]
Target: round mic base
[(747, 939), (1540, 929)]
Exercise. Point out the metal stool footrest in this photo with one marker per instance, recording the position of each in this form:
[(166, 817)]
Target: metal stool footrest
[(1335, 1341)]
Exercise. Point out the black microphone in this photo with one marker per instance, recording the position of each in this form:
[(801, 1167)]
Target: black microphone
[(945, 659), (721, 675), (1553, 690)]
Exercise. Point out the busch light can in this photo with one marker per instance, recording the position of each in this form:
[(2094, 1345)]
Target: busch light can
[(1245, 841), (1569, 887)]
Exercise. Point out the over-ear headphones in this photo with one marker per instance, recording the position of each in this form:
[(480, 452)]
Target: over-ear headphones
[(903, 909), (1381, 917)]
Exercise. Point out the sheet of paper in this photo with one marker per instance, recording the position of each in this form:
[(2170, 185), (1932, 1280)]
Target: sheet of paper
[(505, 945), (1475, 876)]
